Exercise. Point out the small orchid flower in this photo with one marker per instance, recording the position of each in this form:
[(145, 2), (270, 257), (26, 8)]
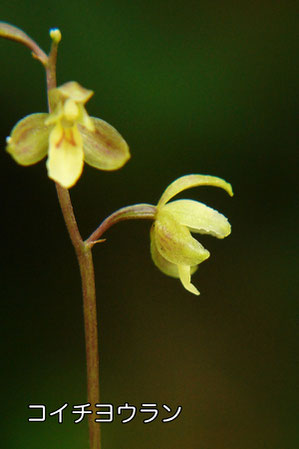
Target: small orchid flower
[(174, 251), (69, 136)]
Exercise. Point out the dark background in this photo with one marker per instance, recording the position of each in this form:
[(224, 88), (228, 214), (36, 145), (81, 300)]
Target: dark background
[(194, 87)]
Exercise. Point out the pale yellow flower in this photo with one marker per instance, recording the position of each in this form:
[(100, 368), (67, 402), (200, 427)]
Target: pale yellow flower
[(69, 136), (174, 251)]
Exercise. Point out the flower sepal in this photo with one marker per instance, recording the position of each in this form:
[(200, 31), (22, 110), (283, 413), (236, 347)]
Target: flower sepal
[(29, 139)]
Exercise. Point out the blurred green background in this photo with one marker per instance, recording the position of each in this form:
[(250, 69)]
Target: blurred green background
[(194, 87)]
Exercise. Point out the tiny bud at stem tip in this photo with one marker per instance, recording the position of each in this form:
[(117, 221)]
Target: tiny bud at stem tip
[(55, 35)]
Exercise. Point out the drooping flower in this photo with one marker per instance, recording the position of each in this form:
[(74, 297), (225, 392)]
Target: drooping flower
[(174, 251), (69, 136)]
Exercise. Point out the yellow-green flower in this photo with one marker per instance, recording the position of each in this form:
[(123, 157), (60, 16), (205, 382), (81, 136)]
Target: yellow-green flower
[(69, 137), (174, 251)]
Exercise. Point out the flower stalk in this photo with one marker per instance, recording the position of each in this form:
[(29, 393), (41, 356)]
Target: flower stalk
[(84, 257), (137, 211), (13, 33)]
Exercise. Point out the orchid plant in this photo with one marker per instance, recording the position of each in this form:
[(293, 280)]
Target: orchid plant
[(69, 137)]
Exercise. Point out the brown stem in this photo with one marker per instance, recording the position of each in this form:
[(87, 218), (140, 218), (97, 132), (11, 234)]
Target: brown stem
[(137, 211), (13, 33), (51, 67), (91, 344), (84, 256)]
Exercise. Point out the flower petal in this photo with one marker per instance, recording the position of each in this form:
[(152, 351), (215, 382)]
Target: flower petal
[(29, 139), (104, 148), (199, 218), (168, 268), (164, 265), (188, 181), (65, 161), (185, 277), (175, 243)]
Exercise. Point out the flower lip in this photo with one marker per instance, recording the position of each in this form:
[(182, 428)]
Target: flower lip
[(65, 157)]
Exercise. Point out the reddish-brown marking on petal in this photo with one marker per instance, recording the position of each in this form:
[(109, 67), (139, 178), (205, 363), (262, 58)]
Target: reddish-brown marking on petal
[(68, 136), (57, 144)]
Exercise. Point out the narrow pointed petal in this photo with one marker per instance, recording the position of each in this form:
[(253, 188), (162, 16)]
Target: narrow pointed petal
[(65, 161), (175, 243), (104, 148), (185, 277), (85, 120), (168, 268), (188, 181), (199, 218), (29, 139)]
